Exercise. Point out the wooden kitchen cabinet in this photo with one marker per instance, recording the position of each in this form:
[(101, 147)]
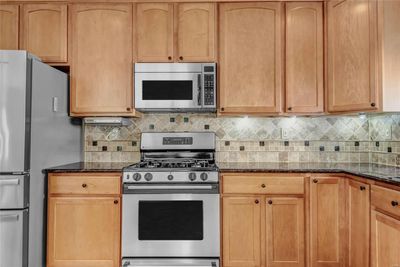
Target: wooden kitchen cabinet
[(102, 60), (196, 28), (44, 31), (352, 56), (285, 240), (250, 58), (9, 21), (385, 240), (304, 57), (155, 32), (241, 231), (180, 32), (328, 223), (83, 224), (358, 196)]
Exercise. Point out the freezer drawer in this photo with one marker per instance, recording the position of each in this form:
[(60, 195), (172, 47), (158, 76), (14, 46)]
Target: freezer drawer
[(168, 262), (14, 191), (14, 238)]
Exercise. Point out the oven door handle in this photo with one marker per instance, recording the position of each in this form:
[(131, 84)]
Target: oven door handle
[(199, 94), (170, 187)]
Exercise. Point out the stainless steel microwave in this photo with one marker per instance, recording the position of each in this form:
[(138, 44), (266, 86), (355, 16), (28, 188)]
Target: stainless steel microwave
[(175, 87)]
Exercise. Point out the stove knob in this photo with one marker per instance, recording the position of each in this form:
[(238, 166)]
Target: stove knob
[(204, 176), (192, 176), (136, 177), (170, 177), (148, 176)]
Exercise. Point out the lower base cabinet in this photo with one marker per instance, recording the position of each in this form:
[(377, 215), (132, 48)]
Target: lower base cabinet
[(83, 227)]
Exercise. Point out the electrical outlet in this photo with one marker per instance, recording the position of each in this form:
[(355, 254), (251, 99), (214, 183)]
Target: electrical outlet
[(285, 133), (398, 160)]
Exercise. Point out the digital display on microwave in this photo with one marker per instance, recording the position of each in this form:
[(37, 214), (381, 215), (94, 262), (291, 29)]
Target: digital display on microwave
[(167, 90)]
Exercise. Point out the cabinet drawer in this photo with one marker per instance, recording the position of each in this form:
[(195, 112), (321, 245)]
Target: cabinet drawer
[(105, 184), (386, 199), (263, 184)]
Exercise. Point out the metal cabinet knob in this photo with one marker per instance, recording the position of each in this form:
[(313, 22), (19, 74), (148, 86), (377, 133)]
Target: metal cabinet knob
[(315, 181), (270, 202), (115, 201), (222, 109), (256, 201), (373, 104), (395, 203), (289, 108), (181, 58), (84, 185), (362, 188), (263, 185), (169, 58), (128, 109)]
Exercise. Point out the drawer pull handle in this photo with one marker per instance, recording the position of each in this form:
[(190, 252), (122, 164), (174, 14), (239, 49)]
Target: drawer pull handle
[(362, 188), (256, 201), (115, 201), (315, 181), (270, 202), (395, 203), (263, 185), (84, 185)]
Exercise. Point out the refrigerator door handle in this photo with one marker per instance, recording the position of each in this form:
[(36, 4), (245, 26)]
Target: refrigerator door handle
[(10, 216), (9, 182)]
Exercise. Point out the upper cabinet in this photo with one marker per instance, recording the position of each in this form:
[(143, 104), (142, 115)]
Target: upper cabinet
[(9, 21), (102, 60), (155, 32), (44, 31), (196, 32), (250, 58), (352, 56), (304, 57), (193, 24)]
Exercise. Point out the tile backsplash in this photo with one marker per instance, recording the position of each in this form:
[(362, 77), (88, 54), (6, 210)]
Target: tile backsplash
[(372, 138)]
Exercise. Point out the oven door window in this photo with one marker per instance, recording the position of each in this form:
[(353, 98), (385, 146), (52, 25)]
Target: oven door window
[(167, 90), (171, 220)]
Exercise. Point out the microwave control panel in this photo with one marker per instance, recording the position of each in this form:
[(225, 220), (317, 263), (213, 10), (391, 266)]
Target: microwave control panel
[(209, 85)]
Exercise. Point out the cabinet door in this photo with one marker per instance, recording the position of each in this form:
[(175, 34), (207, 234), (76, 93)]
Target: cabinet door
[(196, 32), (327, 222), (241, 231), (9, 21), (44, 31), (352, 55), (102, 60), (359, 220), (385, 240), (304, 57), (155, 32), (83, 232), (285, 232), (250, 72)]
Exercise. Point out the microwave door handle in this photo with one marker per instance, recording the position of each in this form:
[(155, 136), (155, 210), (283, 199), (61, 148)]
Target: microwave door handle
[(199, 89)]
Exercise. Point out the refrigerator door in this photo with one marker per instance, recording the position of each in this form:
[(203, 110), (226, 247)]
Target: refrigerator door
[(13, 233), (14, 191), (14, 111)]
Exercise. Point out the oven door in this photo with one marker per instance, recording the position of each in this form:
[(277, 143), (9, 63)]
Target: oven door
[(167, 91), (170, 225)]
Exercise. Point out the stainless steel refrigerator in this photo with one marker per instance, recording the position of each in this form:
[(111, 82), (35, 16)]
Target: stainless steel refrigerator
[(35, 133)]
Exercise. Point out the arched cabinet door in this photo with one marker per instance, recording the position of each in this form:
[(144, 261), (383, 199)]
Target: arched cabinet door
[(44, 31), (196, 32), (155, 30), (9, 19), (250, 58), (102, 59)]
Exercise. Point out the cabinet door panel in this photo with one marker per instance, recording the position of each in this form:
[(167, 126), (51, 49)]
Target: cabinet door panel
[(359, 220), (241, 231), (9, 21), (44, 31), (102, 60), (285, 232), (83, 232), (327, 222), (155, 32), (385, 240), (352, 55), (196, 32), (250, 57), (304, 57)]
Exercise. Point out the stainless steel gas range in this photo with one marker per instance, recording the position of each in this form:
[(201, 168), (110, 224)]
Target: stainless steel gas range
[(170, 208)]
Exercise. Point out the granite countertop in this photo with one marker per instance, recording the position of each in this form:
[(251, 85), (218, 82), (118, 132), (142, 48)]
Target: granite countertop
[(376, 172)]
